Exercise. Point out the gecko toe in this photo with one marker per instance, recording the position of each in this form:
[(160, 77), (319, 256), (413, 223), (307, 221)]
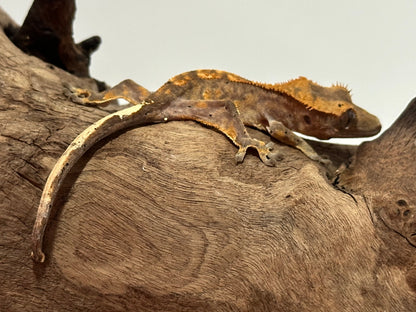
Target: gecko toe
[(270, 145), (274, 153), (268, 160), (268, 156), (239, 156)]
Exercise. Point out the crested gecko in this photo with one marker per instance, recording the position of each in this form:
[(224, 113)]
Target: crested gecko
[(223, 101)]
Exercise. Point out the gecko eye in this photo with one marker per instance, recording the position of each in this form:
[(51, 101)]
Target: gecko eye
[(347, 118)]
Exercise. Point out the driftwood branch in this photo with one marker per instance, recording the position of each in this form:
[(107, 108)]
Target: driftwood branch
[(160, 218), (47, 34)]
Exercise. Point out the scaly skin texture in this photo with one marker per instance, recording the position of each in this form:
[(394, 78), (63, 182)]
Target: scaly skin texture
[(226, 102)]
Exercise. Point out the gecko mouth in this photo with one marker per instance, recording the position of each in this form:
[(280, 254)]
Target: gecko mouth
[(368, 126)]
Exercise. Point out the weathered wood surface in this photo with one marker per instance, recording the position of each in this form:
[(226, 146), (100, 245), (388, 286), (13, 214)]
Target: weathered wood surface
[(161, 219)]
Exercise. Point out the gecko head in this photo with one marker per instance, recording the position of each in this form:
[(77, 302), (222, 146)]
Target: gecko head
[(330, 112), (348, 119), (356, 122)]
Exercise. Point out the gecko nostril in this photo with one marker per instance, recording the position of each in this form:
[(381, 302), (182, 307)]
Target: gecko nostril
[(307, 119)]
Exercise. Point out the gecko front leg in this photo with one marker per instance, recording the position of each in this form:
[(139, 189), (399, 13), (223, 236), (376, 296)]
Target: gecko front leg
[(285, 135)]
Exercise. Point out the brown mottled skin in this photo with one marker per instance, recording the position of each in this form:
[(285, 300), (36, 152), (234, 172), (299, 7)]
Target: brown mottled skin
[(226, 102)]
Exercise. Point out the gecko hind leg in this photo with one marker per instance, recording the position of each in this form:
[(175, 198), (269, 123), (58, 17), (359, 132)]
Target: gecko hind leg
[(285, 135), (223, 116), (127, 89)]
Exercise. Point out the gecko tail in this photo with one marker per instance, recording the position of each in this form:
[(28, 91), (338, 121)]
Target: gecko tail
[(93, 134)]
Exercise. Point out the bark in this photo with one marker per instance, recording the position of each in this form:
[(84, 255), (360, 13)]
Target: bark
[(160, 218)]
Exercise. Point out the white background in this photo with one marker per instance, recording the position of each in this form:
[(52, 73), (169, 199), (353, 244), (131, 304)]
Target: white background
[(368, 45)]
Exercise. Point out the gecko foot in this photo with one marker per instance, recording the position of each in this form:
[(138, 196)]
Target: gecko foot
[(327, 163), (77, 95), (273, 151), (265, 151), (324, 161)]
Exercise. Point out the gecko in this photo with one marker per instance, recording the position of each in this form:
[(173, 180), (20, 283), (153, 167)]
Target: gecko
[(226, 102)]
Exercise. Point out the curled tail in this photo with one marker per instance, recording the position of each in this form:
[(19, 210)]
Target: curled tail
[(94, 133)]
